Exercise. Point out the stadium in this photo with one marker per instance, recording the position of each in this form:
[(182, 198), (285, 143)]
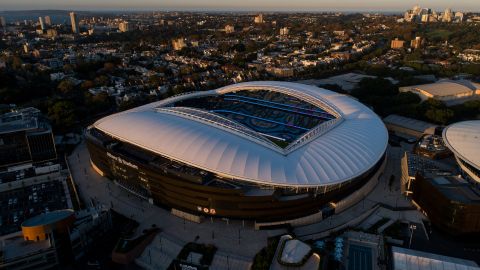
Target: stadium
[(262, 151), (463, 140)]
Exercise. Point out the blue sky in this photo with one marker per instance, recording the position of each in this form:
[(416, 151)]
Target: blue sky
[(247, 5)]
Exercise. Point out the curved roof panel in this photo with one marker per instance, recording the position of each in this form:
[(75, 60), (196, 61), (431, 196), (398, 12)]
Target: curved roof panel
[(463, 138), (48, 218), (339, 153), (449, 87)]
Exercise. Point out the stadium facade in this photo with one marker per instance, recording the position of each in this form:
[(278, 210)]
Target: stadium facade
[(265, 151)]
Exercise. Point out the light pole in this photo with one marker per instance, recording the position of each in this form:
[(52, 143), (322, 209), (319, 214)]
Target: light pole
[(412, 228)]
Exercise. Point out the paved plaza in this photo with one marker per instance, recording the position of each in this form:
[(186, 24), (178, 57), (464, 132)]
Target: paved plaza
[(237, 241), (381, 202)]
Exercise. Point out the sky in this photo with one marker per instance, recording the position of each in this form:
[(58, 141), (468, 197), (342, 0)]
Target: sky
[(240, 5)]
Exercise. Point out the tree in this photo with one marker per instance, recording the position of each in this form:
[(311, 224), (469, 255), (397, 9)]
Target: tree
[(65, 87), (87, 85), (441, 116), (97, 103), (109, 66), (374, 87), (102, 80), (62, 114), (16, 63)]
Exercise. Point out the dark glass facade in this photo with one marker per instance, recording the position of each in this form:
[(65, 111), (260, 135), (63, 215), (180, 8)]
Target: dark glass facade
[(24, 146), (25, 137), (42, 146), (452, 206), (14, 148)]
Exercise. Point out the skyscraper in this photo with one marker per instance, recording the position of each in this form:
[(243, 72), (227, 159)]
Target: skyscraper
[(74, 22), (48, 21), (447, 15), (124, 26), (416, 43), (229, 29), (459, 16), (259, 18), (42, 25), (397, 43), (3, 23), (178, 44), (284, 31)]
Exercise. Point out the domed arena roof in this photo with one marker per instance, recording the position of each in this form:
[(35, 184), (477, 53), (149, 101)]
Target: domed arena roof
[(463, 138), (260, 140)]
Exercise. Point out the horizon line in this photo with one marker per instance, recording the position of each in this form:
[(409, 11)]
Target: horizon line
[(200, 10)]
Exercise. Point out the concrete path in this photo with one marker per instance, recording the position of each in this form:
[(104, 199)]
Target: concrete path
[(383, 194), (235, 237)]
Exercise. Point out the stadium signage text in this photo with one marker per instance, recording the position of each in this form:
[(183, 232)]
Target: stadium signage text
[(122, 161), (206, 210)]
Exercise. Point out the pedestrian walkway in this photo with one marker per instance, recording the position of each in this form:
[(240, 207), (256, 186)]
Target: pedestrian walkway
[(238, 239), (384, 195), (224, 261)]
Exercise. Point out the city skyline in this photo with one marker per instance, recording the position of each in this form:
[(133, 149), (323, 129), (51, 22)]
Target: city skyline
[(247, 5)]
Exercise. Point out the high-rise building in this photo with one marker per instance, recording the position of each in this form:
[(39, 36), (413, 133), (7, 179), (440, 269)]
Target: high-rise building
[(459, 16), (25, 136), (178, 44), (416, 9), (74, 22), (48, 21), (416, 43), (31, 178), (40, 21), (124, 26), (259, 18), (447, 15), (3, 23), (229, 29), (52, 33), (284, 31), (26, 48), (397, 44), (425, 18)]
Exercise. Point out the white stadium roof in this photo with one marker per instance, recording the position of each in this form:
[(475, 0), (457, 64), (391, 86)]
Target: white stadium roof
[(448, 87), (331, 153), (463, 138)]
